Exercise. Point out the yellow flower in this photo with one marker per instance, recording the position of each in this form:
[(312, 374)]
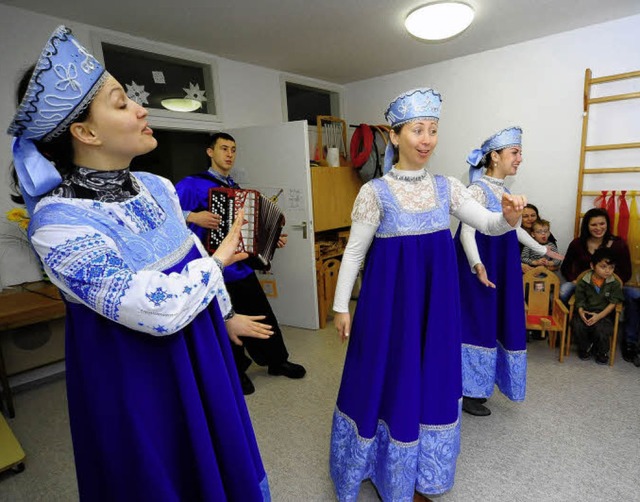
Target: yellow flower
[(17, 214)]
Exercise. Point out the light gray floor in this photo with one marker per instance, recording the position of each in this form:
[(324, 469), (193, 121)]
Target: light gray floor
[(575, 438)]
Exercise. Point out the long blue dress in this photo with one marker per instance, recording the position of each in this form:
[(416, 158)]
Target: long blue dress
[(493, 321), (397, 420), (154, 416)]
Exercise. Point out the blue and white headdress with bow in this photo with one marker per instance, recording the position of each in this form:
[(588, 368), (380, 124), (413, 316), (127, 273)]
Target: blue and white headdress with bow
[(416, 104), (65, 80), (512, 136)]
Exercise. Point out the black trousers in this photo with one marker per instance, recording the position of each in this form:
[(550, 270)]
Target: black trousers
[(247, 297), (596, 335)]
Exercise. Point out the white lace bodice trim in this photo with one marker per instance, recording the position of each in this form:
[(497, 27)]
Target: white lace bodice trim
[(415, 192), (496, 186)]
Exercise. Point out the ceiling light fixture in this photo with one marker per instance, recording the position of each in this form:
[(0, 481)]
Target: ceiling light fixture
[(439, 21), (181, 104)]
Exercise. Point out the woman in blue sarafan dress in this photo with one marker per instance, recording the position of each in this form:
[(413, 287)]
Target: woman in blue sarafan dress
[(493, 322), (397, 418), (155, 405)]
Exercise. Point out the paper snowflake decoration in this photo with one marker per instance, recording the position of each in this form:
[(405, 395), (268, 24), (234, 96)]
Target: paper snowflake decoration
[(194, 92), (137, 93)]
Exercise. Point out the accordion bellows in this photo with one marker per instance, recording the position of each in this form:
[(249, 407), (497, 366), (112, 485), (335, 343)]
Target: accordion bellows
[(259, 236)]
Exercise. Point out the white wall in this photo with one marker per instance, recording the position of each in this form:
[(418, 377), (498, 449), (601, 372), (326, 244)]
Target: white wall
[(537, 85), (249, 95)]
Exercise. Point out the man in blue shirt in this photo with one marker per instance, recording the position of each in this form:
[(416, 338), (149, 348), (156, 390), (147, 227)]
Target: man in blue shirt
[(243, 286)]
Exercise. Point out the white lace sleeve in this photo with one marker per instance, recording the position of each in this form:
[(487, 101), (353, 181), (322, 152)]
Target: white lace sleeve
[(459, 193), (477, 194), (366, 208), (88, 267), (360, 239)]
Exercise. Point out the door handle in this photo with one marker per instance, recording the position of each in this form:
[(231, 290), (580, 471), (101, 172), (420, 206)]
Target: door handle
[(303, 227)]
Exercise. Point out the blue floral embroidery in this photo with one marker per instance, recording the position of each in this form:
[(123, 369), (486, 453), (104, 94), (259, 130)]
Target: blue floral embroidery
[(205, 277), (187, 290), (483, 368), (511, 373), (397, 469), (92, 271), (478, 370), (161, 246), (160, 329), (159, 296), (397, 221), (144, 213)]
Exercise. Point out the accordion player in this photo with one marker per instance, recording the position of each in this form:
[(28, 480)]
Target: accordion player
[(259, 236)]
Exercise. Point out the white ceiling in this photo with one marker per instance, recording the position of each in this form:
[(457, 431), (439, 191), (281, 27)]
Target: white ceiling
[(338, 41)]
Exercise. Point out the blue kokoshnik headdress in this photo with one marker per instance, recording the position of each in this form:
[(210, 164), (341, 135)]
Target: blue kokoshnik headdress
[(65, 80), (416, 104), (506, 138)]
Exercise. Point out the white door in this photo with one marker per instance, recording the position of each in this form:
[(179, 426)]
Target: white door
[(275, 159)]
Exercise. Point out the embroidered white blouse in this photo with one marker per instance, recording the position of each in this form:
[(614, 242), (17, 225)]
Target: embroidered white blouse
[(111, 257)]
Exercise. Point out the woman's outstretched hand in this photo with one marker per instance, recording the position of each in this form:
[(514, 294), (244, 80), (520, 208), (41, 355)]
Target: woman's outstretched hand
[(553, 254), (226, 252), (512, 206), (247, 325), (481, 274), (342, 322)]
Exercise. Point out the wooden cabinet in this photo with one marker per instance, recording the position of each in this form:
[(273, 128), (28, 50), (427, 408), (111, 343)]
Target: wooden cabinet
[(334, 189)]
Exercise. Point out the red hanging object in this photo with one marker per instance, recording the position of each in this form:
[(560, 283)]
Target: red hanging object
[(601, 200), (611, 209), (361, 144), (623, 216)]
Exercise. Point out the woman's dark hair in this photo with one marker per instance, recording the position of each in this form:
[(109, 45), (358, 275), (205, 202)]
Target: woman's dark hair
[(59, 150), (531, 206), (584, 227), (486, 160), (396, 150)]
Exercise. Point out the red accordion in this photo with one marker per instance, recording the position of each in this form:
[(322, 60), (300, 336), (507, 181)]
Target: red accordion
[(259, 236)]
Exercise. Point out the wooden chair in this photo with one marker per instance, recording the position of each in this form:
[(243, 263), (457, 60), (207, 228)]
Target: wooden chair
[(544, 310), (327, 280), (616, 320)]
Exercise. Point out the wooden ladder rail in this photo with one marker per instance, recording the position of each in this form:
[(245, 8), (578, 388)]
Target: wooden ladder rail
[(589, 81)]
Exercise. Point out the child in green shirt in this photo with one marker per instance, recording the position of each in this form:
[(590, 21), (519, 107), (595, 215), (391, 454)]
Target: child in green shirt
[(597, 294)]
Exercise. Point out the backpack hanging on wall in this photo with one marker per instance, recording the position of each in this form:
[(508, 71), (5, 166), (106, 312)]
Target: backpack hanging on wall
[(367, 148)]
